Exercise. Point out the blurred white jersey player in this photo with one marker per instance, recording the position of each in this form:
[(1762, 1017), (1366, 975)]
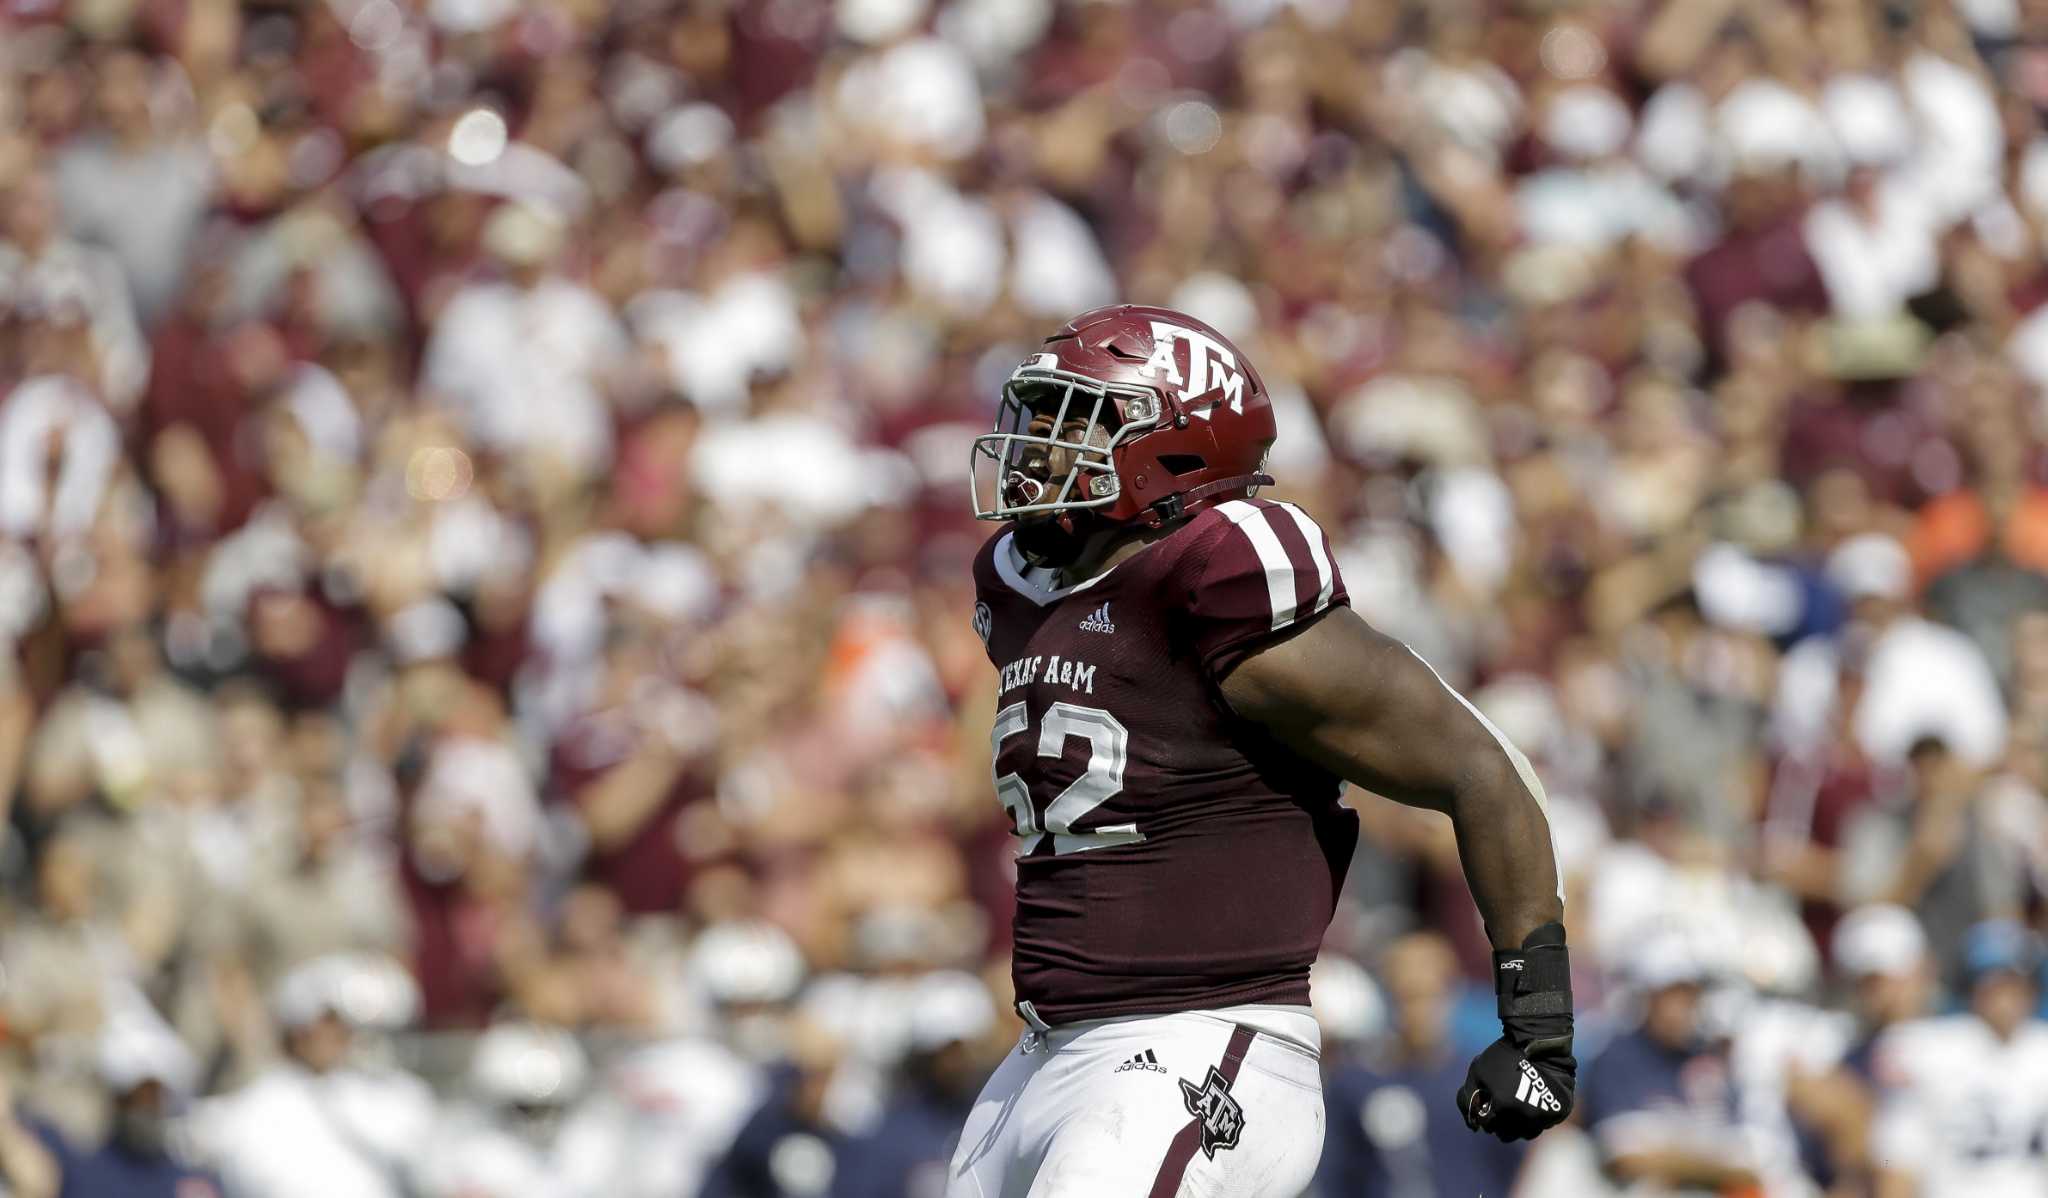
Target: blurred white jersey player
[(513, 1136), (331, 1119), (1965, 1097)]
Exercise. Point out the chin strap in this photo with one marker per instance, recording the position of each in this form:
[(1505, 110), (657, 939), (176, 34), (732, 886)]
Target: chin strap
[(1174, 506)]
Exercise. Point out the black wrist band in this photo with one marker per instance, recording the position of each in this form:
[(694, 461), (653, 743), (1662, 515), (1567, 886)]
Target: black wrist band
[(1535, 981)]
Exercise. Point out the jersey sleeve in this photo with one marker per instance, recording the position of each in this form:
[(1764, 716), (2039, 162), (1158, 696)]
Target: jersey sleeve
[(1262, 573)]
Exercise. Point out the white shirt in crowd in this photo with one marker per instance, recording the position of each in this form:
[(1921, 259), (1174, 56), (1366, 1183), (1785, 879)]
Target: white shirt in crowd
[(475, 1154), (665, 1116), (1775, 1041), (91, 278), (522, 367), (921, 91), (1921, 679), (291, 1133), (1962, 1111), (34, 499), (1873, 262), (717, 342)]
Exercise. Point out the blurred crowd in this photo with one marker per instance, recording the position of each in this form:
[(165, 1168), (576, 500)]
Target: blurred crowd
[(487, 699)]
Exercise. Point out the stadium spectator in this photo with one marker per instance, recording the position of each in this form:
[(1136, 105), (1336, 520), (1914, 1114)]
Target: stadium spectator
[(322, 1119), (150, 1076), (1384, 1135), (26, 1164), (671, 1108), (1660, 1101), (1960, 1112), (144, 143), (1881, 950), (907, 1150), (792, 1143), (515, 1133), (1942, 852)]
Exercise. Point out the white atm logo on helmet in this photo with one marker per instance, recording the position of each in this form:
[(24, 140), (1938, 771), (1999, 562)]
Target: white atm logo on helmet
[(1205, 354)]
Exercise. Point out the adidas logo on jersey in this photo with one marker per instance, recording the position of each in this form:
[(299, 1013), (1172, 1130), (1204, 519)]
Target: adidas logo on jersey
[(1144, 1060), (1534, 1091), (1098, 621)]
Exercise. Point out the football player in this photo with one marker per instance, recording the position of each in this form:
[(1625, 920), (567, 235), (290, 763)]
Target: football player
[(1184, 692)]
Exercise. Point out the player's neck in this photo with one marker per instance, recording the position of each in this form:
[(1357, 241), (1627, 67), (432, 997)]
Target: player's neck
[(1116, 545)]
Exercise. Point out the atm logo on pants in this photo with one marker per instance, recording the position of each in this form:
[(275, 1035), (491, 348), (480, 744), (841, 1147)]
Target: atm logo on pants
[(1218, 1114)]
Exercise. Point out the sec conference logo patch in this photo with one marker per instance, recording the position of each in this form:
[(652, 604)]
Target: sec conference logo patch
[(1219, 1115), (984, 621)]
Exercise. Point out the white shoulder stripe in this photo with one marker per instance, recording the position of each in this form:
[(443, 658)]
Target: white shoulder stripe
[(1314, 536), (1272, 555)]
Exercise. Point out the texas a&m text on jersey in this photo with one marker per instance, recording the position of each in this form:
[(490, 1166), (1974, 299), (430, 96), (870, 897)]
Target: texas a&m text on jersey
[(1182, 694)]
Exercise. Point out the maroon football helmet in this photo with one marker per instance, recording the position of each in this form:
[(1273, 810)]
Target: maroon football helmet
[(1157, 413)]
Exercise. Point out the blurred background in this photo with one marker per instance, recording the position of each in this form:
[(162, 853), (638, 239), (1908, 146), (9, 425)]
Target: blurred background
[(487, 699)]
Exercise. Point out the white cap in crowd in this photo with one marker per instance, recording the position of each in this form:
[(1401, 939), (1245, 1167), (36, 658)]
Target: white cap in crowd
[(873, 22), (525, 1064), (1879, 939), (367, 990), (1871, 565), (1587, 122), (947, 1007), (1664, 959), (1347, 1002), (134, 1050), (751, 962)]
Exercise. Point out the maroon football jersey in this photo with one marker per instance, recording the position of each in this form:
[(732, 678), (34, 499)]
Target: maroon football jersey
[(1171, 856)]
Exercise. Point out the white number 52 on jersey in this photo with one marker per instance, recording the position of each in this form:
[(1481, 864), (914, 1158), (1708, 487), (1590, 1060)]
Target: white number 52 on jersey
[(1104, 778)]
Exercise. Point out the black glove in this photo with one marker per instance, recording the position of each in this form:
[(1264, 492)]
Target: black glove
[(1523, 1082)]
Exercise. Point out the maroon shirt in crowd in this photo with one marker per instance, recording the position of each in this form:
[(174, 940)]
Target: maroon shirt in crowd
[(648, 869), (1768, 264)]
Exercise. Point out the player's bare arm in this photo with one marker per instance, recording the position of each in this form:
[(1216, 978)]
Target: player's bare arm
[(1358, 703), (1361, 705)]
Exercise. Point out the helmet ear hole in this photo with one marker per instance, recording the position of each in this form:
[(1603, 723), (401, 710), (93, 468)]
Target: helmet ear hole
[(1182, 463)]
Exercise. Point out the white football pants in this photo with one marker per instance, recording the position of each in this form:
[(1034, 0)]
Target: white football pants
[(1224, 1104)]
